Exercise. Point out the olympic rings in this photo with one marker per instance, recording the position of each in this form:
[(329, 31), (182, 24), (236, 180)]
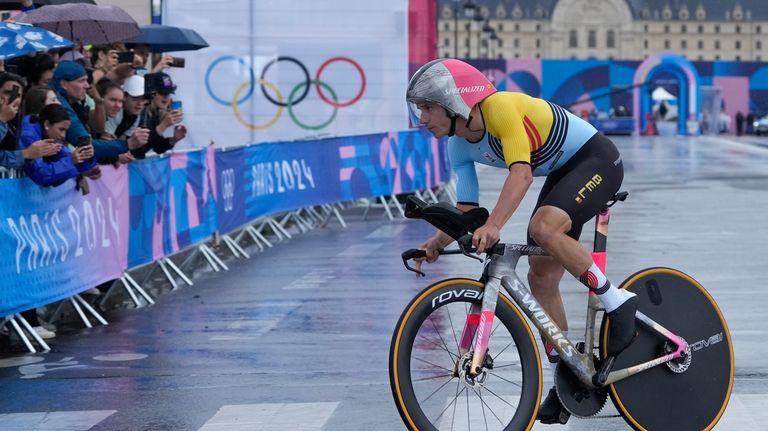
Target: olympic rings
[(241, 95), (359, 93), (274, 119), (307, 84), (303, 69)]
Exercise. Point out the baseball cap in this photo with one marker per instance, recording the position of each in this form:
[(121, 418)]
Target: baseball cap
[(159, 82), (134, 86)]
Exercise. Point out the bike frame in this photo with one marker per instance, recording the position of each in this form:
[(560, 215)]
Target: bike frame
[(500, 272)]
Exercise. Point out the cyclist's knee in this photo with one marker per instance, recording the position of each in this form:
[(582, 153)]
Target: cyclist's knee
[(548, 224)]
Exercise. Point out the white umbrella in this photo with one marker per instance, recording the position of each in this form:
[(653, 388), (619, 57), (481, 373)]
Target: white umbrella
[(661, 94)]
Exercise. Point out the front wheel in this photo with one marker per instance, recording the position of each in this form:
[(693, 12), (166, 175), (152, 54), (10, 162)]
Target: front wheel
[(687, 394), (424, 364)]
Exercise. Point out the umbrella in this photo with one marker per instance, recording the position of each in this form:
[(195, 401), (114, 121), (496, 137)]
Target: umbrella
[(85, 23), (166, 38), (16, 5), (17, 39)]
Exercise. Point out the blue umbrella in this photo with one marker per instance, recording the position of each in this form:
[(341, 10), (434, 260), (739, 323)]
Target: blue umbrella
[(18, 39), (166, 38)]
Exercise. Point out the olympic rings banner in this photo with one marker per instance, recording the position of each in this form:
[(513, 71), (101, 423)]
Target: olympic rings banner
[(57, 243), (280, 71)]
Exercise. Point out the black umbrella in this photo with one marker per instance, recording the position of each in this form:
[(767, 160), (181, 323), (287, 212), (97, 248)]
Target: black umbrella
[(166, 38), (15, 5), (84, 23)]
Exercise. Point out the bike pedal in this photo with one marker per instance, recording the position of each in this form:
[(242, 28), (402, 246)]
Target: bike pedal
[(602, 374)]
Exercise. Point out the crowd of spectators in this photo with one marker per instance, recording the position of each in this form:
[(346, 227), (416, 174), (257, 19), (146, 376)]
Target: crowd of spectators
[(69, 114)]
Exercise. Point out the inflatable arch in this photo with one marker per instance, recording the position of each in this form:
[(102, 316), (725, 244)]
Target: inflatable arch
[(689, 100)]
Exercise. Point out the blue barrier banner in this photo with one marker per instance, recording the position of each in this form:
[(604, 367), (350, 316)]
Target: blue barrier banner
[(172, 204), (268, 178), (56, 243)]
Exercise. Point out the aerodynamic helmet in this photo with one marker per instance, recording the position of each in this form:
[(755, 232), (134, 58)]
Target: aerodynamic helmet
[(452, 84)]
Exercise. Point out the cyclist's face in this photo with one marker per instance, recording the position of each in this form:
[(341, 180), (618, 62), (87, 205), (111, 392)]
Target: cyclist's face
[(435, 119)]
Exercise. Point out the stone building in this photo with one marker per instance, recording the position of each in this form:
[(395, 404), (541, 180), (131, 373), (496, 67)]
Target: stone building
[(603, 29)]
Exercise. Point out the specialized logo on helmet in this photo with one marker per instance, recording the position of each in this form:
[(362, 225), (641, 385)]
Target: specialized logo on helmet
[(469, 89)]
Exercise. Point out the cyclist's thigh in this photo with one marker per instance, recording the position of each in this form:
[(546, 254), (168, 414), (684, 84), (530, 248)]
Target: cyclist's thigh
[(590, 178)]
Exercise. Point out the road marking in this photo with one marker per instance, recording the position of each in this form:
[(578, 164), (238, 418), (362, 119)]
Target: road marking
[(386, 232), (268, 417), (54, 421), (360, 250), (313, 279)]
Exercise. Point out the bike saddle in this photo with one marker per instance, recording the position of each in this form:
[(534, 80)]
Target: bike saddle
[(446, 217)]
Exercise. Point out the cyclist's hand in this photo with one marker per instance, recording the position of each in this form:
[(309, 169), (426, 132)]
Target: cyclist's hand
[(485, 237), (433, 249)]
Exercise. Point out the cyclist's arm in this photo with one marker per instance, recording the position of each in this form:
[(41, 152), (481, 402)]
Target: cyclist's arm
[(506, 122), (467, 188)]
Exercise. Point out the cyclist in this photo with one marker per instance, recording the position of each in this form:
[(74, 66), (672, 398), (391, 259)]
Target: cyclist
[(529, 137)]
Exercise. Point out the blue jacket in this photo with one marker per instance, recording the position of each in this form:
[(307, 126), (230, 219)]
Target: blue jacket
[(103, 149), (60, 167)]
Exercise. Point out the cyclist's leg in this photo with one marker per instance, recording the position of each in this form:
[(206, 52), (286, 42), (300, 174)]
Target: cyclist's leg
[(584, 184)]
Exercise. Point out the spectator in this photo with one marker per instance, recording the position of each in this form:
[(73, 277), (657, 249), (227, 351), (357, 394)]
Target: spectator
[(158, 117), (51, 124), (125, 122), (71, 83), (37, 98), (12, 86), (750, 123), (111, 95), (40, 69), (739, 123), (9, 108)]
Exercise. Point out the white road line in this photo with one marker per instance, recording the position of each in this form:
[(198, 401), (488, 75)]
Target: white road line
[(360, 250), (386, 231), (268, 417), (53, 421)]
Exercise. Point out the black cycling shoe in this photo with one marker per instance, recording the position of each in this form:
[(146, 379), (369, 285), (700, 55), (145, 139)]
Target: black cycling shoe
[(552, 411), (622, 331)]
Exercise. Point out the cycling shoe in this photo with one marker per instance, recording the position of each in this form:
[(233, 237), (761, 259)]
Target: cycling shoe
[(552, 411), (622, 330)]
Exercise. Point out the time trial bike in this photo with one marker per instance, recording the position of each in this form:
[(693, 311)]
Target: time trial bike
[(464, 356)]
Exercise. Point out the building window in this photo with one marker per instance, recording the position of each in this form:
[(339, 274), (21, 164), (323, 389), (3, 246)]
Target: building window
[(758, 45), (738, 29), (592, 39), (610, 39), (516, 43), (646, 28), (517, 27), (517, 55), (666, 29), (701, 29), (447, 42), (701, 58), (466, 54), (701, 44), (737, 45), (683, 44), (666, 44), (446, 55), (538, 43), (738, 58), (501, 42), (758, 29), (573, 39), (717, 29), (717, 57), (538, 27), (683, 28), (447, 26), (717, 44), (758, 58), (501, 27), (645, 44), (467, 26)]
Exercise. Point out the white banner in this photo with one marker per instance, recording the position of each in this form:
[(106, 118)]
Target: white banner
[(287, 70)]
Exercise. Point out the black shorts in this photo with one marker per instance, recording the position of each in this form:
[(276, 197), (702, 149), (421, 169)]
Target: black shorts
[(584, 184)]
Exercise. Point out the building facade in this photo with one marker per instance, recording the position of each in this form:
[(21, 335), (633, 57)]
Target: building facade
[(603, 29)]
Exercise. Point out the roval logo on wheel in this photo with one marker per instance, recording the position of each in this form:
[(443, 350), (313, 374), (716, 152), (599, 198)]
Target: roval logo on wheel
[(274, 96)]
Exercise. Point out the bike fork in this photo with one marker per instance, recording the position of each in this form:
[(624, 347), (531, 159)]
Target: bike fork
[(479, 321)]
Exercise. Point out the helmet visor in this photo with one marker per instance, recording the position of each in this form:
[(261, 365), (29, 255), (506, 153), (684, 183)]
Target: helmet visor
[(414, 113)]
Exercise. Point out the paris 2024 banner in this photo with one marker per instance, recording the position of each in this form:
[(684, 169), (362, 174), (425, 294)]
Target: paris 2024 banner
[(280, 71)]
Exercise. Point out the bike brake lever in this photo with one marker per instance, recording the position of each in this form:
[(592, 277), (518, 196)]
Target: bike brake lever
[(465, 245), (413, 253)]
